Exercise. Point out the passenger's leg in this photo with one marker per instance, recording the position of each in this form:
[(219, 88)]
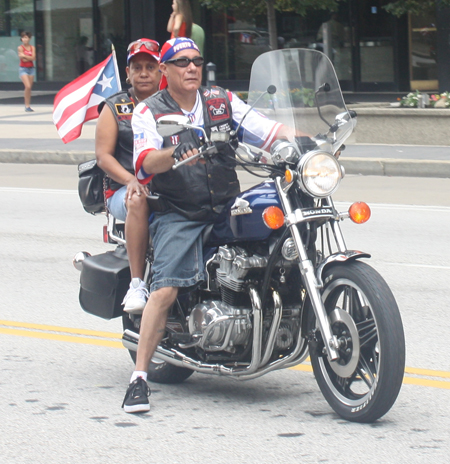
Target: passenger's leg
[(136, 233)]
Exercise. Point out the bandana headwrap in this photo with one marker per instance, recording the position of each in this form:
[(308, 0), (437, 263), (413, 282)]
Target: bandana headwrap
[(171, 48)]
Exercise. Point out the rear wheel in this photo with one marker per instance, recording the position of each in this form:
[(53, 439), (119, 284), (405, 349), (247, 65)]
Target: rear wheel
[(363, 384), (158, 371)]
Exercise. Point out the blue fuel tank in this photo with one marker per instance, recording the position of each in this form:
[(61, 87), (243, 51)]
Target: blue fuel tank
[(242, 219)]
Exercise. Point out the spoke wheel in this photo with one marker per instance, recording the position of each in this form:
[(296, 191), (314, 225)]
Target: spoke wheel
[(363, 384)]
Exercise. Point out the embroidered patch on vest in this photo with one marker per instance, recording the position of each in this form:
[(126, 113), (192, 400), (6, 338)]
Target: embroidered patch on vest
[(124, 110), (218, 109)]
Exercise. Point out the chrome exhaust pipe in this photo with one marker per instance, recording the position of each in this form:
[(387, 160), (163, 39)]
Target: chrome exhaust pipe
[(78, 259), (278, 312), (130, 341)]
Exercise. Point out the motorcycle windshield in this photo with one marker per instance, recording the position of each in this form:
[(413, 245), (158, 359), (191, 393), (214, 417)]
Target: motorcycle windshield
[(299, 88)]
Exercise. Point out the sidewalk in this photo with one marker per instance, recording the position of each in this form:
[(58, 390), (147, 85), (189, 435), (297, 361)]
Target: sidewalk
[(32, 138)]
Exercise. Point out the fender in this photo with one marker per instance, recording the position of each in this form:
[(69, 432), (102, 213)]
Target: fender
[(341, 256)]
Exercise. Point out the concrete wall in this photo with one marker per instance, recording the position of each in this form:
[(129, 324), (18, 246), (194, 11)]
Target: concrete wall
[(405, 126)]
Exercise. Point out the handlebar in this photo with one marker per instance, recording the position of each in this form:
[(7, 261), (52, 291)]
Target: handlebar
[(203, 151)]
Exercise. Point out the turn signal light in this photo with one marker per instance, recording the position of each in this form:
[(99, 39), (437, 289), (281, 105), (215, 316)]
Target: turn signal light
[(289, 176), (359, 212), (273, 217)]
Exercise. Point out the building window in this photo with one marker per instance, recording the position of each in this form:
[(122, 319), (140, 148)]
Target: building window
[(16, 16)]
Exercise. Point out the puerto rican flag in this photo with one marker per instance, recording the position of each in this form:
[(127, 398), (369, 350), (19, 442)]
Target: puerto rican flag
[(78, 101)]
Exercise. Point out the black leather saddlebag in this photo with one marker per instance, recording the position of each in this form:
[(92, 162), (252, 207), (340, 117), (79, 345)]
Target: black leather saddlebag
[(104, 281)]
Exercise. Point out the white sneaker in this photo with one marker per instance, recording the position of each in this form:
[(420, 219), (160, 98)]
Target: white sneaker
[(136, 297)]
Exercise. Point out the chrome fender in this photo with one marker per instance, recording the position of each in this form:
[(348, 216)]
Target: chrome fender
[(341, 257)]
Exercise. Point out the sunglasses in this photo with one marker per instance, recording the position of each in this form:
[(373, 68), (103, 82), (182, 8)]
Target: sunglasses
[(185, 62), (152, 46)]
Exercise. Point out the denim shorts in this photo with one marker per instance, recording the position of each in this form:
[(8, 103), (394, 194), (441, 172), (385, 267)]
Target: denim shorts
[(116, 204), (27, 71), (178, 251)]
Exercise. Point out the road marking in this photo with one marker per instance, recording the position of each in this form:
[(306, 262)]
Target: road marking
[(413, 375), (428, 266), (394, 206), (38, 190)]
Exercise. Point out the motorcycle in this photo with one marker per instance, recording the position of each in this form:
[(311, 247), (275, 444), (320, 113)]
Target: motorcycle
[(281, 283)]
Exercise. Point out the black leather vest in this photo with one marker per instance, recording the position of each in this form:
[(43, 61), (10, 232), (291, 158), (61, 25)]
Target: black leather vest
[(122, 108), (198, 192)]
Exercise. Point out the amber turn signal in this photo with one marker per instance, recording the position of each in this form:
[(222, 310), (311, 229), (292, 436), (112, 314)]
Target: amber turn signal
[(273, 217), (359, 212), (289, 176)]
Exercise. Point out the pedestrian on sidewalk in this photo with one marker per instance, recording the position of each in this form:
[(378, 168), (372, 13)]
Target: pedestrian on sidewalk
[(180, 21), (27, 55)]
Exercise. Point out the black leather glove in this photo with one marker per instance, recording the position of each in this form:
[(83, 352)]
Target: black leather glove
[(181, 149), (187, 140)]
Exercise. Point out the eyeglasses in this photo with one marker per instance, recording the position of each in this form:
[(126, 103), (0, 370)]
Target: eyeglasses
[(185, 62), (151, 46)]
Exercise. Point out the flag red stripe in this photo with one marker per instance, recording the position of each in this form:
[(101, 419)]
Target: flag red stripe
[(79, 82), (73, 109)]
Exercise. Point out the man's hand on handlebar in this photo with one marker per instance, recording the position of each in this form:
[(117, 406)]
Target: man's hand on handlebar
[(186, 150)]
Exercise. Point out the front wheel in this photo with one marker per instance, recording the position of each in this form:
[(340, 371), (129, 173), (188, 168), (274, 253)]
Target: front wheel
[(363, 384), (158, 371)]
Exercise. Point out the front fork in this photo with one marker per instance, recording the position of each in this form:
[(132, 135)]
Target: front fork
[(309, 278)]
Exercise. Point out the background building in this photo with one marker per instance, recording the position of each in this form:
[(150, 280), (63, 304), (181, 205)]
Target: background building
[(371, 50)]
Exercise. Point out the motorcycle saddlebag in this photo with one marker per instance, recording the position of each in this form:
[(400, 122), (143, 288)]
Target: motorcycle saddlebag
[(104, 281)]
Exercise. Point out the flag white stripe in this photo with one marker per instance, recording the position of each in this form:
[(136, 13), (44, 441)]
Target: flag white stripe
[(74, 97), (77, 118)]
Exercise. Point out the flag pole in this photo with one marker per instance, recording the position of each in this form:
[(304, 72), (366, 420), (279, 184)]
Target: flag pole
[(116, 69)]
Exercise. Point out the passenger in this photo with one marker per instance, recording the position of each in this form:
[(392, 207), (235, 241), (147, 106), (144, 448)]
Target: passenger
[(126, 197), (196, 192)]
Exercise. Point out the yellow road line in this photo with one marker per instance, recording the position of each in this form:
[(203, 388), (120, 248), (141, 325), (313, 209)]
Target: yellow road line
[(427, 382), (54, 328), (427, 372), (61, 338), (25, 329)]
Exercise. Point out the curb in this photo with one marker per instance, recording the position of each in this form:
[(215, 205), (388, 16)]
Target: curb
[(396, 167), (361, 166), (45, 157)]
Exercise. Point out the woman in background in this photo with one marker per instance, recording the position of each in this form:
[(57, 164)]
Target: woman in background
[(180, 21), (27, 55)]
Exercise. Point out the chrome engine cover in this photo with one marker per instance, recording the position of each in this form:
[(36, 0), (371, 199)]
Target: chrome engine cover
[(234, 265), (218, 326)]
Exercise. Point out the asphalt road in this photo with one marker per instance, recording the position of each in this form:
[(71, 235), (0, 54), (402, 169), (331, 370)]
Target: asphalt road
[(63, 372)]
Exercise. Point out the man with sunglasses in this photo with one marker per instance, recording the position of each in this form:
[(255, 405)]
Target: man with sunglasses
[(195, 193)]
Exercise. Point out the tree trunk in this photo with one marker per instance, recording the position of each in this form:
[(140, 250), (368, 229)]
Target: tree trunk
[(271, 21)]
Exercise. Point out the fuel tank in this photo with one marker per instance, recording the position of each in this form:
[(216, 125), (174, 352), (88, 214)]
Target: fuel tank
[(241, 220)]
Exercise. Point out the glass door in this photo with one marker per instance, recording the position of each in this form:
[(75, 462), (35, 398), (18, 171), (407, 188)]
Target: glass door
[(422, 40), (374, 46)]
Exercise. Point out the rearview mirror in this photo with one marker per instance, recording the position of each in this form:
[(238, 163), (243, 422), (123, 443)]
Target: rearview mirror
[(171, 124)]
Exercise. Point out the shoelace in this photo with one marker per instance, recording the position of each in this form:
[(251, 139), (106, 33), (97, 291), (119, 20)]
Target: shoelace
[(138, 386), (132, 291)]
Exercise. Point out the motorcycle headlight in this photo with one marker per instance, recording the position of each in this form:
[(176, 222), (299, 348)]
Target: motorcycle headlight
[(319, 174)]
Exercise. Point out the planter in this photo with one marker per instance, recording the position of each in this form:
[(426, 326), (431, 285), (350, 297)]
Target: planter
[(403, 126)]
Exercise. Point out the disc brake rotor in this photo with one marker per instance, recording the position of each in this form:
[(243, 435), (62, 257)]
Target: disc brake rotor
[(344, 327)]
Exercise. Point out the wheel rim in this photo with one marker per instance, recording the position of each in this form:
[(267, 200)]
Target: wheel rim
[(354, 380)]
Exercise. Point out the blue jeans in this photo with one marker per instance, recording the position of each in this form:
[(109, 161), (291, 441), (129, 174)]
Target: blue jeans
[(28, 71), (116, 204), (178, 251)]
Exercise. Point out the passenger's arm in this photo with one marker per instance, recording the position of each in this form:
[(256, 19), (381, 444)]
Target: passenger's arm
[(106, 135)]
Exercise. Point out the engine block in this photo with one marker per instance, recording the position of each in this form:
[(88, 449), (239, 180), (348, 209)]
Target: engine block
[(234, 266), (218, 326)]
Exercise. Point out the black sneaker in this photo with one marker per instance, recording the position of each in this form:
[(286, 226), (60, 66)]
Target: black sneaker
[(136, 397)]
